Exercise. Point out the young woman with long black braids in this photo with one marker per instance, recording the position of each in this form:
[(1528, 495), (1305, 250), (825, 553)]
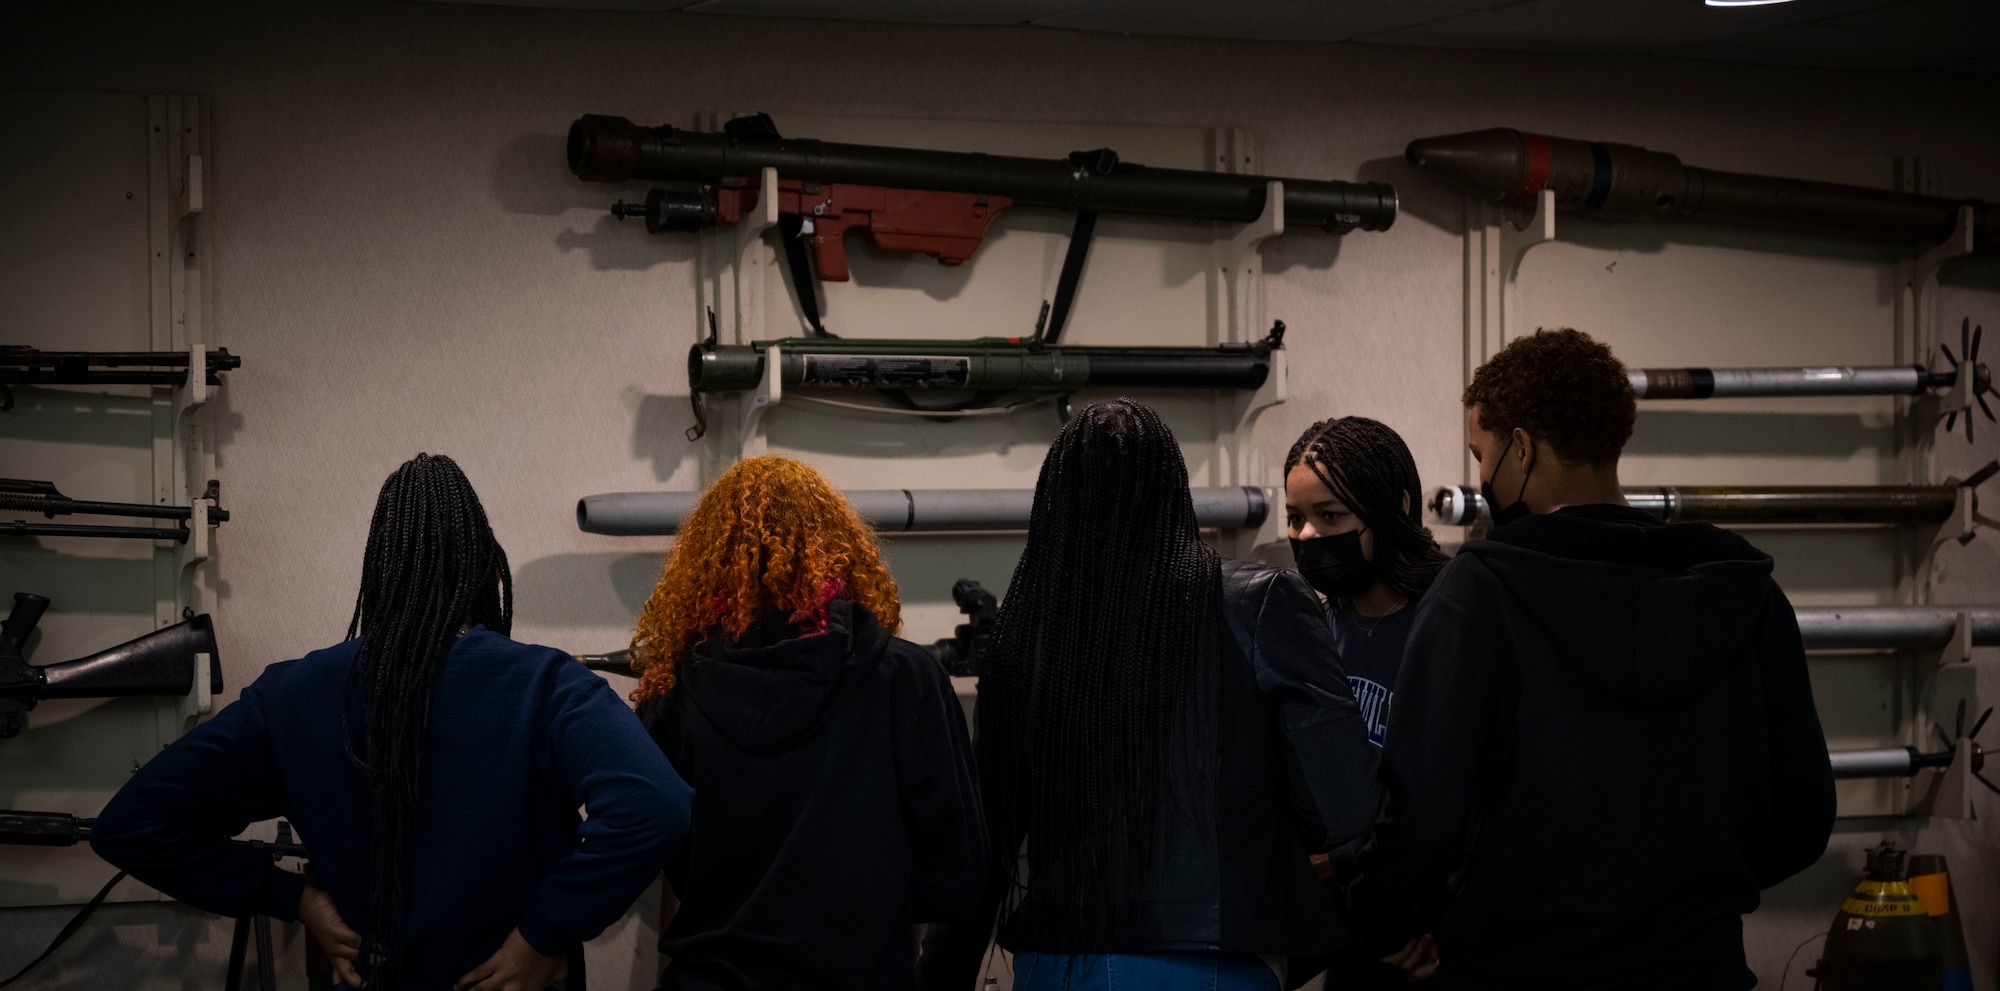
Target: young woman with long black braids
[(1352, 509), (1352, 505), (1165, 731), (433, 768)]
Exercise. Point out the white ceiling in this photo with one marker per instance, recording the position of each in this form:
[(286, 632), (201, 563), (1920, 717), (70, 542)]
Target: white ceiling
[(1961, 35)]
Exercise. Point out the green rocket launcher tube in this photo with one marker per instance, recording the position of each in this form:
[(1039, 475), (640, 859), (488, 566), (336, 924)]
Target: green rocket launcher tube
[(987, 364)]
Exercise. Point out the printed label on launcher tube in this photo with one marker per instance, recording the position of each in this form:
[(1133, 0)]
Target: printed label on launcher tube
[(887, 371)]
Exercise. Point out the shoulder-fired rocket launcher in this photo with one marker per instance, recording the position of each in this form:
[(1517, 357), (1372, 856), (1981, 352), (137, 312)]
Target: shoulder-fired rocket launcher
[(1626, 182), (614, 149), (988, 364)]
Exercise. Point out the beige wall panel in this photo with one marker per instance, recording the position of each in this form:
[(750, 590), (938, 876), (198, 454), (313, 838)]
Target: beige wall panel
[(405, 266)]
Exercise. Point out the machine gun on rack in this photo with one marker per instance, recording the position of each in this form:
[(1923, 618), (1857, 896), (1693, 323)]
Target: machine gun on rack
[(22, 365), (161, 663), (25, 495)]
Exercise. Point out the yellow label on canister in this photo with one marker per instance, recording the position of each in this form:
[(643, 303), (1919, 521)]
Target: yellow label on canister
[(1877, 910), (1877, 899), (1934, 890)]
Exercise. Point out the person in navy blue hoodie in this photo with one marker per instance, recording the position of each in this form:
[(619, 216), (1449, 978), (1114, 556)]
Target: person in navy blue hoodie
[(433, 768), (837, 801)]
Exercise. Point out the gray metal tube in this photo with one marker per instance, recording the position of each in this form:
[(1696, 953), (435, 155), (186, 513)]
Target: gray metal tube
[(1893, 627), (1723, 383), (1881, 762), (655, 514), (1461, 505)]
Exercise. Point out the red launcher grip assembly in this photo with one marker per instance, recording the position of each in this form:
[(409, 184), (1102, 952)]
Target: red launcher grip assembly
[(947, 226)]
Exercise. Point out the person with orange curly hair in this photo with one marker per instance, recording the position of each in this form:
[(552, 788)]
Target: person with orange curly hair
[(836, 805)]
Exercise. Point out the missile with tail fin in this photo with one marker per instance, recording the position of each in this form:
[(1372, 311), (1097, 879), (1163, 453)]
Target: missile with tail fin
[(1835, 380)]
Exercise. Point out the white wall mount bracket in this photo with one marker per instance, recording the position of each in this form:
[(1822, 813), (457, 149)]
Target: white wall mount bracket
[(1497, 239)]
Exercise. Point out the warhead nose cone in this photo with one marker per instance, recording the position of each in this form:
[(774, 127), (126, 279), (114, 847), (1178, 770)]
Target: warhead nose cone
[(1491, 164)]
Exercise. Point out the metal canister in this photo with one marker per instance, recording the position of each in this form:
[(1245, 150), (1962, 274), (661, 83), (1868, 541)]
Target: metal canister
[(1883, 939), (1932, 884)]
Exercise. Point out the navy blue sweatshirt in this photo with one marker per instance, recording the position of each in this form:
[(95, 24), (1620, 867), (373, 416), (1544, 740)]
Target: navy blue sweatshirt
[(519, 738), (837, 808), (1604, 745)]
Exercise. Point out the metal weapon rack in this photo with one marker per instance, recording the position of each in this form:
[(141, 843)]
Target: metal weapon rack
[(1496, 240), (733, 264)]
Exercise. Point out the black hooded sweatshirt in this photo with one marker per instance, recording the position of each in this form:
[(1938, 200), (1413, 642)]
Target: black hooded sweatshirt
[(835, 807), (1604, 746)]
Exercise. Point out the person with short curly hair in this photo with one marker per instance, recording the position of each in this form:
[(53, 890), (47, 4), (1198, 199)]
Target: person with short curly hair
[(1604, 743), (1564, 389), (836, 805)]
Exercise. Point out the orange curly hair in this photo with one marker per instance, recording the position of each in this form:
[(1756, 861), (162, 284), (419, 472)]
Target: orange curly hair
[(770, 534)]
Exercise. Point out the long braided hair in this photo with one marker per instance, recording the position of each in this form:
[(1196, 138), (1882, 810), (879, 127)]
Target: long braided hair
[(1369, 468), (1097, 707), (431, 568)]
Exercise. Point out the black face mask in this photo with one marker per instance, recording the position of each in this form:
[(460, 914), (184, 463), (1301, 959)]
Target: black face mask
[(1334, 564), (1516, 510)]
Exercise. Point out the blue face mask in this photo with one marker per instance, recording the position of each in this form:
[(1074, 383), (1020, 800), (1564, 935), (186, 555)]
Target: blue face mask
[(1516, 510)]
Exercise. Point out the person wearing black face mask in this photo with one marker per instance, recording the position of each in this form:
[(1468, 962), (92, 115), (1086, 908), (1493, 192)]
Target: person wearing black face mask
[(1610, 746), (1351, 501)]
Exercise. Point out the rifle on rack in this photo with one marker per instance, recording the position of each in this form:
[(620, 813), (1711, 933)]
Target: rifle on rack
[(25, 495), (161, 663), (21, 365)]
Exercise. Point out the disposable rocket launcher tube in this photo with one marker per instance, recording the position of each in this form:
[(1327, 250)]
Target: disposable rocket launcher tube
[(986, 364), (1462, 505), (614, 149), (1894, 627), (654, 514), (1626, 182), (1723, 383)]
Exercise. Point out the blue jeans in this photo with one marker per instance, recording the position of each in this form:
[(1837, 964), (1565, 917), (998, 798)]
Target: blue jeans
[(1142, 972)]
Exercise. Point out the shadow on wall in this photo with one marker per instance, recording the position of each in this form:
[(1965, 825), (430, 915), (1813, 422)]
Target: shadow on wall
[(586, 589), (1805, 435), (1308, 249), (530, 177), (925, 567), (659, 432), (618, 246), (73, 416), (74, 583), (1975, 271)]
